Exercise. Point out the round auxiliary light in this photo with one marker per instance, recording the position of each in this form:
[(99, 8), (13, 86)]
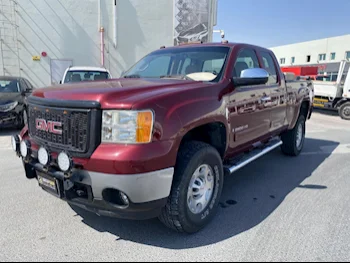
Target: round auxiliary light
[(64, 162), (15, 143), (43, 156), (25, 148)]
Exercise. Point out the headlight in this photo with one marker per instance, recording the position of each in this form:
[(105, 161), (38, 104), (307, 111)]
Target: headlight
[(8, 107), (127, 126)]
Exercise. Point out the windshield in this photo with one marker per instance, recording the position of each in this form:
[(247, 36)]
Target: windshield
[(9, 86), (78, 76), (199, 64)]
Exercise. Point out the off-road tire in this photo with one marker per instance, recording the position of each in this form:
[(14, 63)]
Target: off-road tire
[(289, 139), (343, 111), (176, 214)]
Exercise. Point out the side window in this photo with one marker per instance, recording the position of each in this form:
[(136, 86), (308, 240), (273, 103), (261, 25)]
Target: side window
[(269, 65), (29, 86), (23, 86), (247, 58)]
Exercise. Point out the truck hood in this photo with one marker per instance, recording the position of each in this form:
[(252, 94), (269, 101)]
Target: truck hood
[(117, 93), (10, 97)]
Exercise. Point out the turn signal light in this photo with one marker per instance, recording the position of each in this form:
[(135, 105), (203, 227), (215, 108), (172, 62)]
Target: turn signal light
[(144, 127)]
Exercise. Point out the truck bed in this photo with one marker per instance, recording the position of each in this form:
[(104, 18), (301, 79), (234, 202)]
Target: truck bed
[(327, 89)]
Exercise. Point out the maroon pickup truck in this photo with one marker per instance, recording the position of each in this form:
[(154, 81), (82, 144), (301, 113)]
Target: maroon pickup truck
[(158, 141)]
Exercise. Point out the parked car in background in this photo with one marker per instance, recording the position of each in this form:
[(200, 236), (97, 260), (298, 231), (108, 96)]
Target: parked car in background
[(13, 94), (80, 74)]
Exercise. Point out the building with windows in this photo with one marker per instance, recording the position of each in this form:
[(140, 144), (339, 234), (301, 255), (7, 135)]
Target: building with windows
[(41, 39), (326, 53)]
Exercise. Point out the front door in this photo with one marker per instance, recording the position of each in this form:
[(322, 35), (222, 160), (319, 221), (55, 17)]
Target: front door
[(249, 107), (277, 93)]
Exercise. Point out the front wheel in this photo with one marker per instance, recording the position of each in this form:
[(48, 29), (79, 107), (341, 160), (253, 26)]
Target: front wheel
[(197, 187), (293, 140), (344, 111)]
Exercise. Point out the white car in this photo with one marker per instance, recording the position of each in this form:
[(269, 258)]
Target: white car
[(79, 74)]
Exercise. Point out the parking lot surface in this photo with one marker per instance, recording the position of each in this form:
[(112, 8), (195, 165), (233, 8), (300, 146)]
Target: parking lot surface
[(276, 209)]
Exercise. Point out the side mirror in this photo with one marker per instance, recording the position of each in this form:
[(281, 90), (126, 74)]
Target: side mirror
[(60, 81), (251, 77)]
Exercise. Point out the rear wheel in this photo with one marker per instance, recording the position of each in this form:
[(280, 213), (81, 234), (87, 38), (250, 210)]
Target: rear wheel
[(196, 190), (293, 140), (344, 111)]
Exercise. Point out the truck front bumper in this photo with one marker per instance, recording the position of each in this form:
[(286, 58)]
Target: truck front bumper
[(136, 196)]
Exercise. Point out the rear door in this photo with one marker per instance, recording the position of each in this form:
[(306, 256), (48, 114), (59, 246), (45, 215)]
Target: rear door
[(249, 110), (278, 91)]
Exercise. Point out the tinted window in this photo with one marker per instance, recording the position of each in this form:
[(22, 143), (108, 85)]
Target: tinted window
[(247, 58), (9, 86), (29, 85), (23, 85), (270, 67)]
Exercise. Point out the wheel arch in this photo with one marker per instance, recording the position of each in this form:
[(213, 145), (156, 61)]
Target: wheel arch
[(212, 133)]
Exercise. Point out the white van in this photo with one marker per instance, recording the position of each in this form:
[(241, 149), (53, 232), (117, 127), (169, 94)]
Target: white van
[(79, 74)]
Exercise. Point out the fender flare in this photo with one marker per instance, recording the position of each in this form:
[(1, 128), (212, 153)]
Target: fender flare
[(296, 117)]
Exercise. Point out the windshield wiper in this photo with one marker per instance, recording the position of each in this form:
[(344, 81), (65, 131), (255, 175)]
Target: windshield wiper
[(135, 76), (184, 77)]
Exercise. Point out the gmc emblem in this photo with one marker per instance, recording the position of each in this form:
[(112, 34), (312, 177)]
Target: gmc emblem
[(48, 126)]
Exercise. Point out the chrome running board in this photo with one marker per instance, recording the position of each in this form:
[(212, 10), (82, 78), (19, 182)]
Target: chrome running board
[(254, 154)]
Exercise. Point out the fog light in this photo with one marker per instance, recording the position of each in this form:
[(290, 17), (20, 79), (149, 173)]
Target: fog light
[(124, 198), (43, 156), (25, 149), (15, 141), (64, 162)]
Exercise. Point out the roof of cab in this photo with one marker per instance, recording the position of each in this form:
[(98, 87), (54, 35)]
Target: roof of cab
[(83, 68), (10, 78), (214, 44)]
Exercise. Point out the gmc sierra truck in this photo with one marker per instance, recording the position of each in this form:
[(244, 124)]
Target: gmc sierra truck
[(158, 141)]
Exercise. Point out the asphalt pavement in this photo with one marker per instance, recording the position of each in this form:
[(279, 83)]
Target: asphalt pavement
[(276, 209)]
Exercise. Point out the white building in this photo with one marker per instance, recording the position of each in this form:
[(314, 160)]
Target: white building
[(40, 39), (326, 53)]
